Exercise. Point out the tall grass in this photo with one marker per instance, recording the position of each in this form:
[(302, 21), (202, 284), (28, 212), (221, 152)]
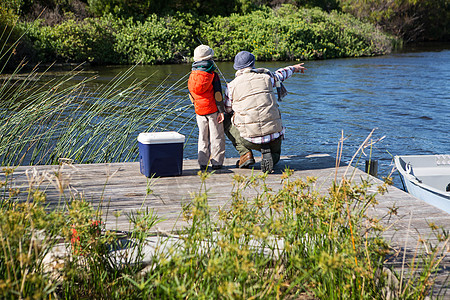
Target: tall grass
[(63, 252), (287, 243), (43, 122)]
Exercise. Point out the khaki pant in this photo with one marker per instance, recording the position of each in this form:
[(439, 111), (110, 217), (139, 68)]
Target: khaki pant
[(211, 140)]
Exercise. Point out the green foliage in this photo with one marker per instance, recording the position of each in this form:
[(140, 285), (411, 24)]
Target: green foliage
[(11, 7), (110, 40), (327, 5), (141, 10), (411, 20), (213, 7), (24, 7), (294, 35), (434, 18), (8, 18), (127, 9), (284, 34), (71, 41), (157, 40)]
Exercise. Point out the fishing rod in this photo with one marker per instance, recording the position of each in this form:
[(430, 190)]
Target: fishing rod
[(217, 67), (220, 72)]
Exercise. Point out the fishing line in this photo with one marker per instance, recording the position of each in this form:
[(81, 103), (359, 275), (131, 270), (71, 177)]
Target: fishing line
[(220, 72)]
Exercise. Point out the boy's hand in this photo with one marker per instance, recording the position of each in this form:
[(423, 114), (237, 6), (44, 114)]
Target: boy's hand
[(220, 118)]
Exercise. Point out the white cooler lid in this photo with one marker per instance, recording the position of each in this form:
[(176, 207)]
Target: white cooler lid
[(160, 137)]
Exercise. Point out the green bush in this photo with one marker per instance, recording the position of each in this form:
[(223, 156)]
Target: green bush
[(8, 17), (126, 8), (282, 34), (157, 40), (110, 40), (90, 40), (143, 9), (410, 20), (287, 34), (9, 38)]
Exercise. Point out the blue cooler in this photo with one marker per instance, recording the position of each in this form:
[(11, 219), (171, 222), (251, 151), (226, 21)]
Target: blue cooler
[(161, 153)]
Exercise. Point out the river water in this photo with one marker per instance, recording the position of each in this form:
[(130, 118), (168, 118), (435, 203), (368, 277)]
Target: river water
[(404, 96)]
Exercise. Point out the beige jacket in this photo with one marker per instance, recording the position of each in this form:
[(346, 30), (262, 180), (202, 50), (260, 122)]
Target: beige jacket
[(256, 112)]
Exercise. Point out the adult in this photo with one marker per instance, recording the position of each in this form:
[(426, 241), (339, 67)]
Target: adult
[(253, 120)]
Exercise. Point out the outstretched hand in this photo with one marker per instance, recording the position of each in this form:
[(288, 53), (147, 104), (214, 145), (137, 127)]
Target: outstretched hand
[(299, 68)]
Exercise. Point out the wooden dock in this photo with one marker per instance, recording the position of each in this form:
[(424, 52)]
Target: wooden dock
[(121, 189)]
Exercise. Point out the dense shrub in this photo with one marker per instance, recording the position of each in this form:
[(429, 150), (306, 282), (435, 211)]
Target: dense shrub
[(90, 40), (410, 20), (287, 34), (110, 40), (8, 18), (157, 40), (327, 5), (284, 34), (9, 37), (144, 8)]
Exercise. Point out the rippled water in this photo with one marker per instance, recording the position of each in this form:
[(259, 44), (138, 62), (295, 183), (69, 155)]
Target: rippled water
[(405, 96)]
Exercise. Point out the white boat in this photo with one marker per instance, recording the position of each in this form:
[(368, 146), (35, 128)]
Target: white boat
[(426, 177)]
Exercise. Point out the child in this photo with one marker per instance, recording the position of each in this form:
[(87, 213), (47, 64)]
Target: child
[(205, 92)]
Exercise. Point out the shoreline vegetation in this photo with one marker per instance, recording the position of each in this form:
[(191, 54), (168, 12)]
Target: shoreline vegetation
[(157, 32), (287, 33), (292, 242)]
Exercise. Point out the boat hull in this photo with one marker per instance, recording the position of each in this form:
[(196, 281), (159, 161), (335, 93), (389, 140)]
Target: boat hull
[(426, 177)]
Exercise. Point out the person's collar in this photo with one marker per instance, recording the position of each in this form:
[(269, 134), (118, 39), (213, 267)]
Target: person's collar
[(253, 69), (244, 70)]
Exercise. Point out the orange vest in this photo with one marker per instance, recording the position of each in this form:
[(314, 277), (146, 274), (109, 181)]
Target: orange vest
[(201, 88)]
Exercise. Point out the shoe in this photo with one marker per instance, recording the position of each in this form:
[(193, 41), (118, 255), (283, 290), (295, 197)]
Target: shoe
[(266, 161), (203, 167), (245, 160), (217, 167)]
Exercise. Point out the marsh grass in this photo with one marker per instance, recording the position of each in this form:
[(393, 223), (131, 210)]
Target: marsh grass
[(44, 120), (43, 124)]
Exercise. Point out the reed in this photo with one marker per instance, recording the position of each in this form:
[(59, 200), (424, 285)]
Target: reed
[(44, 120)]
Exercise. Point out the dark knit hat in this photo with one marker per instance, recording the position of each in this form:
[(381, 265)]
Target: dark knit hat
[(243, 60)]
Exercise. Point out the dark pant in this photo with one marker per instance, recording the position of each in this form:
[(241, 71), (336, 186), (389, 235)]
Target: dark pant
[(243, 146)]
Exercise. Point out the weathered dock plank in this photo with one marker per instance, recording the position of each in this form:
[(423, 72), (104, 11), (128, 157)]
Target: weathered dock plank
[(119, 187)]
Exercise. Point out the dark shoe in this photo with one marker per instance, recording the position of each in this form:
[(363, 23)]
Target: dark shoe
[(203, 167), (217, 167), (266, 161), (246, 160)]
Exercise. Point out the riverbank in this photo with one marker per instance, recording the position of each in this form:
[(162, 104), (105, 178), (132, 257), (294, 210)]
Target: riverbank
[(287, 33)]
